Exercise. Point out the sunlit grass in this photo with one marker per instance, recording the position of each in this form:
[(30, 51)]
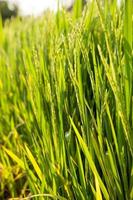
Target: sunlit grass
[(66, 115)]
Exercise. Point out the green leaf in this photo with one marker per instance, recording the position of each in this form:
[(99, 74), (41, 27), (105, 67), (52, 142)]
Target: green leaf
[(90, 160)]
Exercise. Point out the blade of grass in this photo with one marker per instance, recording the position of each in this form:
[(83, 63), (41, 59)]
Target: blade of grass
[(90, 160), (34, 163)]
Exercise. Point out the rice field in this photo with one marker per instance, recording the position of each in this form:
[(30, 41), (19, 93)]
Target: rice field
[(66, 104)]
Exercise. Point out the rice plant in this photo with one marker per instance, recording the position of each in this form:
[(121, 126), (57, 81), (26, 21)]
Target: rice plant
[(66, 114)]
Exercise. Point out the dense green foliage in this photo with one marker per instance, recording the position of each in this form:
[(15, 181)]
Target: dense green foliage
[(66, 105), (6, 12)]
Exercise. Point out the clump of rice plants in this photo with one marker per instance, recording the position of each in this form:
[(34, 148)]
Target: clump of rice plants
[(66, 114)]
